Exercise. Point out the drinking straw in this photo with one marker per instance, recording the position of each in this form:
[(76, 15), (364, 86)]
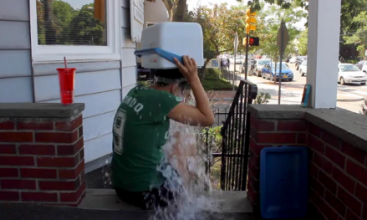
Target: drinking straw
[(65, 63), (66, 78)]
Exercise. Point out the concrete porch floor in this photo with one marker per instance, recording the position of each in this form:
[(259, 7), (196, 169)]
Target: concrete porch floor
[(104, 204), (106, 199)]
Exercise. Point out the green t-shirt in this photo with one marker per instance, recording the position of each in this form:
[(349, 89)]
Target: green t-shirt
[(140, 130)]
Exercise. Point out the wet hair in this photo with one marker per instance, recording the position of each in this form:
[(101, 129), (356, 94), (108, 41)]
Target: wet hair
[(171, 74), (168, 73)]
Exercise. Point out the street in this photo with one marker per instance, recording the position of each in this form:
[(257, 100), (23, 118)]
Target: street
[(350, 96)]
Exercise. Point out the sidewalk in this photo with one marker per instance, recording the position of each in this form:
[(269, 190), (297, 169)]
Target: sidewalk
[(221, 95)]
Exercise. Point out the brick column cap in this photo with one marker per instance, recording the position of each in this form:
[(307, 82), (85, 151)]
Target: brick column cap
[(347, 125), (40, 110)]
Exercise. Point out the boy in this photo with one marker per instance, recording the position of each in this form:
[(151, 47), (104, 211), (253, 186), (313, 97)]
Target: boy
[(141, 128)]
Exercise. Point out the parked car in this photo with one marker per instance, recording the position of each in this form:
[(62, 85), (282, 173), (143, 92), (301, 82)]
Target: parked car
[(239, 60), (350, 73), (300, 60), (364, 67), (268, 72), (249, 67), (259, 66), (361, 63), (303, 68), (293, 60)]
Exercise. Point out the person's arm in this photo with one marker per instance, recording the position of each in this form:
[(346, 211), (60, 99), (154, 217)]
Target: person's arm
[(184, 113)]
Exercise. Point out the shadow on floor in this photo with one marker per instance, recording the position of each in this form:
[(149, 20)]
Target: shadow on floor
[(99, 178)]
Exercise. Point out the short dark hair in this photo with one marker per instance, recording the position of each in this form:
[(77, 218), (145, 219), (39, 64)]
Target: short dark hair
[(168, 73)]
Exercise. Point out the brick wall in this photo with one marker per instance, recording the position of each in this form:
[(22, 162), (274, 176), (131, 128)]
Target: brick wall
[(42, 160), (337, 170)]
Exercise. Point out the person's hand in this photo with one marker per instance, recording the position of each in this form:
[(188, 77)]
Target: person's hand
[(189, 69)]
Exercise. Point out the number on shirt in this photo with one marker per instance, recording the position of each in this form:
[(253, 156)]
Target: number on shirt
[(118, 131)]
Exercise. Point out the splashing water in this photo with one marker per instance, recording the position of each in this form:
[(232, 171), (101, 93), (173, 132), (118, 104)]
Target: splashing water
[(184, 151)]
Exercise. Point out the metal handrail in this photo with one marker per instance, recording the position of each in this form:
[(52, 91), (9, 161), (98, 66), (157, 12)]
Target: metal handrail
[(235, 145)]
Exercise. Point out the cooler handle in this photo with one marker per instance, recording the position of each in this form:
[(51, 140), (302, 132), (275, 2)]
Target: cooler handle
[(163, 53)]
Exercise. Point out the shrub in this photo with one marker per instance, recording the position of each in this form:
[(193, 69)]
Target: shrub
[(213, 81), (262, 98)]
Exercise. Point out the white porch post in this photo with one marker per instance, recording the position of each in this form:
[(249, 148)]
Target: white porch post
[(323, 52)]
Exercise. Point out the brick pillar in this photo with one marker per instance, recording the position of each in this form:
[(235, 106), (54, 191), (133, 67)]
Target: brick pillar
[(337, 145), (270, 133), (41, 153)]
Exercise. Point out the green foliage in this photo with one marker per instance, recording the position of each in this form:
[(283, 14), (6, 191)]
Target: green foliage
[(354, 61), (349, 10), (220, 25), (303, 42), (213, 138), (359, 38), (256, 5), (89, 28), (262, 98), (213, 81), (69, 26), (268, 27)]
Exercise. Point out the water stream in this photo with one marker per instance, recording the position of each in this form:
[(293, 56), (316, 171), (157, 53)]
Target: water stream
[(186, 153)]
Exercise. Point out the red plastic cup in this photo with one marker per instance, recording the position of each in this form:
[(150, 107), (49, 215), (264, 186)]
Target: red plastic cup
[(67, 84)]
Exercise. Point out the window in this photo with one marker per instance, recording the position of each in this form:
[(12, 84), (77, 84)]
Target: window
[(349, 68), (77, 29)]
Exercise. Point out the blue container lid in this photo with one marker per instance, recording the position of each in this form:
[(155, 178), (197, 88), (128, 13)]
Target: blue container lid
[(284, 182), (163, 53)]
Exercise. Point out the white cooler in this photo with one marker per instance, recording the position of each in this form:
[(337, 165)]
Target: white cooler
[(163, 41)]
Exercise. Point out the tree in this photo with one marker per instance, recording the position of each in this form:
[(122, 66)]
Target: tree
[(359, 38), (219, 27), (268, 27), (86, 28), (303, 42), (349, 10), (176, 9), (41, 23), (63, 14)]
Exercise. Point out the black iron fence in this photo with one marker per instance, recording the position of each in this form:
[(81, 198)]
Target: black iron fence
[(234, 149)]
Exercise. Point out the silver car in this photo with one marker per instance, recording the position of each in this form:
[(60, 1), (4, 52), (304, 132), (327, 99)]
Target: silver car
[(260, 65), (303, 68)]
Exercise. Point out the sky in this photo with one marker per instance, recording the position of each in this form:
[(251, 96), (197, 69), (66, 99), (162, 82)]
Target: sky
[(77, 4)]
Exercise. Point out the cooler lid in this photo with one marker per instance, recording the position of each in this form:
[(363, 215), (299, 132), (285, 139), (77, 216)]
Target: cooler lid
[(163, 53)]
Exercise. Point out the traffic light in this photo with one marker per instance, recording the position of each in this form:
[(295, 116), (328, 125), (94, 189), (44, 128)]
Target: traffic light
[(253, 41), (250, 21)]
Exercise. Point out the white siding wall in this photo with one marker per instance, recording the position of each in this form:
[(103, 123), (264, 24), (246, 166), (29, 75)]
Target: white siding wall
[(100, 85), (15, 54), (128, 62)]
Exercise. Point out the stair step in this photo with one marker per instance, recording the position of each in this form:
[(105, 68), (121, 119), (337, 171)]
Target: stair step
[(37, 212), (106, 199), (104, 204)]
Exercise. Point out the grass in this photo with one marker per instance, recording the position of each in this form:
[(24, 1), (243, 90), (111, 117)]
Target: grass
[(213, 81), (354, 61)]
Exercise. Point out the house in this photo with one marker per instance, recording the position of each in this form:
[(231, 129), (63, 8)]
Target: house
[(94, 36), (155, 12)]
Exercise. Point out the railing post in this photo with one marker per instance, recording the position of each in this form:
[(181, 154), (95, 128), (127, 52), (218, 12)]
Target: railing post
[(234, 174)]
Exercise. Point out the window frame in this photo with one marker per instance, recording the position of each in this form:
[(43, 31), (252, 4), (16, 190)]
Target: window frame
[(47, 53)]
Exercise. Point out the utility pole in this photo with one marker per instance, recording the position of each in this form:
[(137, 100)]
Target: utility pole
[(282, 41), (250, 26)]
